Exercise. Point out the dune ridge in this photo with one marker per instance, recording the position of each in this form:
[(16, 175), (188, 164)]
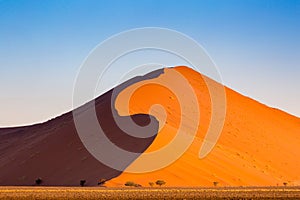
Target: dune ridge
[(258, 146)]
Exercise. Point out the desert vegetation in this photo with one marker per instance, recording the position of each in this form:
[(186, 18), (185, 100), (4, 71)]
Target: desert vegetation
[(64, 193), (82, 182), (160, 182), (38, 181), (132, 184), (151, 184)]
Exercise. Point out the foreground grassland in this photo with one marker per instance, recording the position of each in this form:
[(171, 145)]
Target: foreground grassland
[(148, 193)]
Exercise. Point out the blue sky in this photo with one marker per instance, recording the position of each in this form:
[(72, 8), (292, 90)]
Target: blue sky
[(255, 45)]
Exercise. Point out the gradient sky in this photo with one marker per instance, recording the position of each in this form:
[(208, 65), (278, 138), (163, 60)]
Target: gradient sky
[(255, 45)]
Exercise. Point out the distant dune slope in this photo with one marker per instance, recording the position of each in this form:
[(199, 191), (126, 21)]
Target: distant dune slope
[(258, 145)]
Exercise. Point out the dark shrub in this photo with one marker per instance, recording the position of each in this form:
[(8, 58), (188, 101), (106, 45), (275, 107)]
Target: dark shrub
[(151, 184), (215, 183), (82, 182), (38, 181), (285, 183), (160, 182), (129, 183)]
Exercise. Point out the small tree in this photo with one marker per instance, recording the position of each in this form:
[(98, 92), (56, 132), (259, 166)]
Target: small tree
[(285, 183), (151, 184), (38, 181), (215, 183), (82, 182), (101, 181), (160, 182)]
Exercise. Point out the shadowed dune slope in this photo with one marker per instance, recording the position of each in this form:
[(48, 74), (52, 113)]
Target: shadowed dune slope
[(54, 152), (258, 145)]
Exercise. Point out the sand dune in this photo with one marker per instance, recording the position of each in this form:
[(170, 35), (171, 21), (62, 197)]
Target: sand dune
[(258, 145)]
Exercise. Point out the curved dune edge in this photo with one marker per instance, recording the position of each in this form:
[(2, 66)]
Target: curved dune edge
[(54, 152), (259, 145)]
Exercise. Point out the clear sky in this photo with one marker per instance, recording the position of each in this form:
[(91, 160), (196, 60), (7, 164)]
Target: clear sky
[(255, 45)]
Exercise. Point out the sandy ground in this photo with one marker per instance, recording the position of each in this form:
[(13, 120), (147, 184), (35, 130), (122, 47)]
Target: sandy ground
[(148, 193)]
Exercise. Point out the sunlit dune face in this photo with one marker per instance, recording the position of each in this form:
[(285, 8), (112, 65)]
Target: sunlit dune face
[(154, 99), (258, 145), (158, 98), (151, 98)]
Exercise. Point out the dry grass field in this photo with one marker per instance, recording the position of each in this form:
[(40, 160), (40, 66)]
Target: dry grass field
[(29, 193)]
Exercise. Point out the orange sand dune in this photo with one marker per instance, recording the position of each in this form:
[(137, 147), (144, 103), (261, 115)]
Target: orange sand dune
[(258, 145)]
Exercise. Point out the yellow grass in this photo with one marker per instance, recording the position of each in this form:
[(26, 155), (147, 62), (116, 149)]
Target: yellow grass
[(148, 193)]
